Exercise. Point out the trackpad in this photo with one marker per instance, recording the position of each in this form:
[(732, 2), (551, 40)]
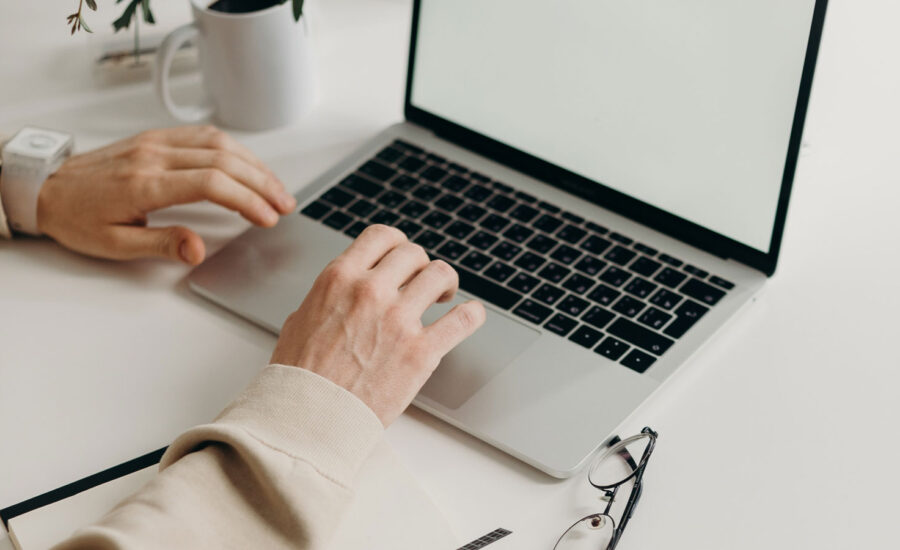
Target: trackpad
[(473, 363)]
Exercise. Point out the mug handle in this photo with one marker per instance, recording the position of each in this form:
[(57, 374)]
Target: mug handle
[(167, 50)]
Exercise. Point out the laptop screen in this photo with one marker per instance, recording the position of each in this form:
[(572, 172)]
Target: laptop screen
[(687, 105)]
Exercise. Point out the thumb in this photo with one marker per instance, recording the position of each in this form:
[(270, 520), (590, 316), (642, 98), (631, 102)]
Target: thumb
[(175, 243)]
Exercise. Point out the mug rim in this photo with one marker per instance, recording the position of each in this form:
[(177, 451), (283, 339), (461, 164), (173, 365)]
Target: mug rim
[(203, 6)]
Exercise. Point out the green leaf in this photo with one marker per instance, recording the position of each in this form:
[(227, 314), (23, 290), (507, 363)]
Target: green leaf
[(298, 9), (148, 15), (84, 24), (91, 4), (124, 21)]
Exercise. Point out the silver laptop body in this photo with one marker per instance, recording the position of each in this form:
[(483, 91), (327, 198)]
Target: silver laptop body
[(530, 391)]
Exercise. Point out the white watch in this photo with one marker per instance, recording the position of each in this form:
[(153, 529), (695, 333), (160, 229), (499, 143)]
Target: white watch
[(29, 158)]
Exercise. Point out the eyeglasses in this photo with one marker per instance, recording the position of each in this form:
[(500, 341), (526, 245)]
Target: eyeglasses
[(611, 470)]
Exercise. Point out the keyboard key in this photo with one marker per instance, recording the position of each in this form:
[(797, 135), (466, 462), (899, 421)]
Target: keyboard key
[(542, 244), (554, 272), (389, 154), (628, 306), (377, 170), (506, 251), (523, 213), (338, 220), (455, 183), (412, 164), (598, 317), (586, 336), (727, 285), (532, 311), (385, 217), (618, 237), (560, 324), (437, 159), (487, 290), (698, 290), (670, 277), (524, 283), (501, 203), (595, 244), (639, 336), (413, 209), (407, 146), (645, 266), (620, 255), (565, 254), (518, 233), (480, 178), (459, 168), (573, 305), (529, 261), (478, 193), (337, 197), (316, 210), (548, 223), (362, 208), (686, 316), (638, 361), (525, 197), (452, 250), (574, 218), (404, 182), (612, 349), (363, 186), (471, 212), (674, 262), (429, 240), (604, 295), (577, 283), (645, 249), (459, 230), (392, 199), (696, 271), (552, 208), (590, 265), (483, 240), (665, 299), (494, 223), (596, 228), (434, 174), (476, 261), (615, 276), (448, 203), (426, 192), (436, 219), (571, 234), (499, 272), (640, 287), (654, 318), (502, 187), (355, 229), (409, 227), (548, 294)]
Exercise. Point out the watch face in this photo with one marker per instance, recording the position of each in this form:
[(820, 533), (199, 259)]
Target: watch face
[(38, 144)]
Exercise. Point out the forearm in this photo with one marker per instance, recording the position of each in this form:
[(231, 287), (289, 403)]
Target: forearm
[(273, 471)]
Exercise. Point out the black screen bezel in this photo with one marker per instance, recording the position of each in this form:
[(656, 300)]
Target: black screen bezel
[(677, 227)]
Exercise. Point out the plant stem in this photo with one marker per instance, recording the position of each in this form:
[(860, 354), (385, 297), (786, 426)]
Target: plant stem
[(137, 40)]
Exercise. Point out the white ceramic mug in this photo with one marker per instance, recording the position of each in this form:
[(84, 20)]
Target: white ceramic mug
[(256, 67)]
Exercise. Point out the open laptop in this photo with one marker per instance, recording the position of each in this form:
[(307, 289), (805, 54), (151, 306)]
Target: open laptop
[(610, 178)]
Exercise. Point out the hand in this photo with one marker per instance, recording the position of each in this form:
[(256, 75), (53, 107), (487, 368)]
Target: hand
[(360, 325), (97, 203)]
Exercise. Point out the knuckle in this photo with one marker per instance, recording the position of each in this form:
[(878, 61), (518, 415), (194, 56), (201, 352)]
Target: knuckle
[(367, 290), (220, 160), (147, 137), (466, 318), (444, 270)]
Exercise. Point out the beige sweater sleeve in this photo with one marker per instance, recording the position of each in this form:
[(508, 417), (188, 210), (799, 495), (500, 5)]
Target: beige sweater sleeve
[(274, 470)]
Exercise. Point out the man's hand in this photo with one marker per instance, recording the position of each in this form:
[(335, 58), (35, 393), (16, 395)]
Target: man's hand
[(97, 203), (360, 325)]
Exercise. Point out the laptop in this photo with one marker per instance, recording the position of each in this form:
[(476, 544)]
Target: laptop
[(611, 179)]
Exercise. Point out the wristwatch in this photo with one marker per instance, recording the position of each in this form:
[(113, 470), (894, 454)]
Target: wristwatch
[(28, 159)]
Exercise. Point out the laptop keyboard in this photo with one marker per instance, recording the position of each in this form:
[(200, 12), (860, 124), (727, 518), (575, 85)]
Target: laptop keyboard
[(600, 289)]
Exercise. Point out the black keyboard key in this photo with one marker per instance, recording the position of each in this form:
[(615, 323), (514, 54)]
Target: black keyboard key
[(620, 255), (598, 317), (506, 251), (355, 229), (426, 192), (638, 361), (525, 197), (645, 266), (548, 223), (640, 287), (686, 316), (552, 208), (436, 219), (698, 290), (523, 213), (487, 290), (389, 154), (362, 208), (595, 244), (628, 306), (412, 164), (476, 261), (471, 212), (674, 262), (392, 199), (316, 210), (437, 159), (433, 174), (670, 277), (577, 283), (590, 265), (407, 146), (604, 295), (377, 170), (404, 182), (529, 261), (448, 203), (654, 318), (458, 167), (518, 233), (612, 348), (483, 240), (596, 228), (586, 336), (565, 254), (665, 299), (452, 250), (524, 283), (554, 272), (533, 312), (639, 336), (571, 234), (337, 197), (541, 244), (573, 305), (413, 209), (696, 271), (478, 193), (500, 272), (501, 203), (480, 178), (409, 227), (502, 187), (727, 285), (645, 249), (615, 276), (548, 294), (574, 218), (494, 222), (338, 220), (455, 183), (560, 324), (429, 240), (459, 230), (361, 185), (620, 238), (385, 217)]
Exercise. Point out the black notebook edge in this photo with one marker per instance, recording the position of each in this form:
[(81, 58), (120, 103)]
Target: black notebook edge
[(89, 482)]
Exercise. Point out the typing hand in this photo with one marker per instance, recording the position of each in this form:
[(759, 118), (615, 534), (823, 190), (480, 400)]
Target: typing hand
[(360, 325), (97, 203)]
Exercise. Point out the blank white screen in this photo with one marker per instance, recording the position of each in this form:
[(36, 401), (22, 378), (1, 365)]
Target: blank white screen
[(684, 104)]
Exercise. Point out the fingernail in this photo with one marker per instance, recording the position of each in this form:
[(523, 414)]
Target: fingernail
[(183, 252), (288, 201), (271, 217)]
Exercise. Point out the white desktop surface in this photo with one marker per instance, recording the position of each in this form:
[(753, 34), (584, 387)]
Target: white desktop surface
[(779, 433)]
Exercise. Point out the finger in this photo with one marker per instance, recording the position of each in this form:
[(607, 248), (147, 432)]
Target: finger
[(187, 186), (401, 264), (183, 158), (438, 282), (174, 243), (372, 245), (455, 326)]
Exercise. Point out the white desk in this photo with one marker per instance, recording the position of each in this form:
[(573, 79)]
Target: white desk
[(780, 434)]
